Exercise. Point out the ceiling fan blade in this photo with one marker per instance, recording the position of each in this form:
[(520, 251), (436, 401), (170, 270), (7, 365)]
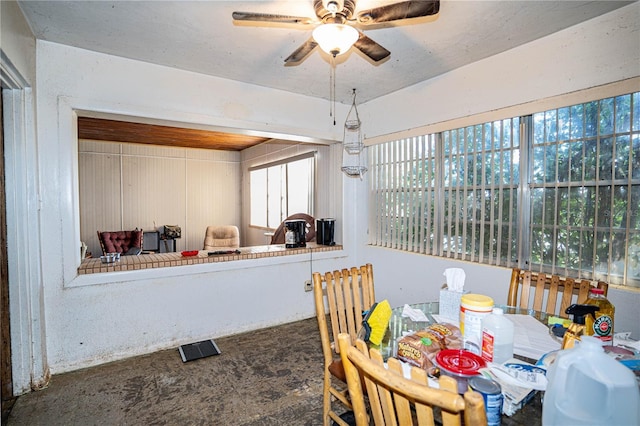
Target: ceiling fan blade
[(370, 48), (301, 52), (268, 17), (397, 11)]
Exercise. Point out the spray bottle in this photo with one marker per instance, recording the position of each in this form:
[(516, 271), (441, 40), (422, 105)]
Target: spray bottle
[(577, 327)]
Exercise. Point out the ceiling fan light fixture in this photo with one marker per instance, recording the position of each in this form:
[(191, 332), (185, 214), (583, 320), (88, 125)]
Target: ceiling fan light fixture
[(335, 39)]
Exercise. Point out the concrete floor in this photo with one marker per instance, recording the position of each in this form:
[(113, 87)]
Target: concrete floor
[(267, 377)]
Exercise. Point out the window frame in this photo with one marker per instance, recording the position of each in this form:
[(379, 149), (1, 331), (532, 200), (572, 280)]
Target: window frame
[(284, 185)]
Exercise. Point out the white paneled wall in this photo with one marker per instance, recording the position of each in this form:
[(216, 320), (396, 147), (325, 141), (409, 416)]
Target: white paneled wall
[(127, 186)]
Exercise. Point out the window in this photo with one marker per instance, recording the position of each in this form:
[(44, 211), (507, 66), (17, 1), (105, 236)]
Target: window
[(585, 189), (480, 182), (559, 190), (281, 189)]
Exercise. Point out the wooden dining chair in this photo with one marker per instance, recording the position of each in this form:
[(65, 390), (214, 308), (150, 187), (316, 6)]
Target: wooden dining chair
[(527, 285), (341, 298), (395, 399)]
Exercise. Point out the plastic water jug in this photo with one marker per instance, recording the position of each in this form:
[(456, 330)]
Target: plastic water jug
[(588, 387), (497, 337)]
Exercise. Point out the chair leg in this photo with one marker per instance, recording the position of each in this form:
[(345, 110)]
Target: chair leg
[(326, 401), (329, 395)]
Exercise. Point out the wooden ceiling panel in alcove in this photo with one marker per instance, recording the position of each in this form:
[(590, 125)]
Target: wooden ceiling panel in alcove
[(153, 134)]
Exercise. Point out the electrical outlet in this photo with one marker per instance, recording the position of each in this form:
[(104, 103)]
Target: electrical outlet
[(307, 285)]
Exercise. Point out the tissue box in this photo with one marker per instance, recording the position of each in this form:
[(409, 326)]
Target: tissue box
[(450, 305)]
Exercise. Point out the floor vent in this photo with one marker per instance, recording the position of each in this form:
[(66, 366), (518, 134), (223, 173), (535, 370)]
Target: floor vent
[(198, 350)]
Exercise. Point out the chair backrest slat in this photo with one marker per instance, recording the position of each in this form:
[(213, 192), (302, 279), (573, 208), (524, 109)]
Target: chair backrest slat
[(526, 285), (584, 290), (539, 292), (424, 413), (567, 295), (403, 406), (351, 297), (341, 304), (449, 384), (386, 404), (553, 295), (368, 289), (332, 301)]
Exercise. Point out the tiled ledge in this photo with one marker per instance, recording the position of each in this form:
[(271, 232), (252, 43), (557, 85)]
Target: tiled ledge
[(164, 260)]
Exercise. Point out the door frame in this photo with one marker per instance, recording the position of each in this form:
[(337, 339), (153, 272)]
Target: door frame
[(22, 185), (6, 382)]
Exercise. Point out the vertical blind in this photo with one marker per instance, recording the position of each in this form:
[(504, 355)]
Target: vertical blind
[(480, 183), (452, 194), (403, 186)]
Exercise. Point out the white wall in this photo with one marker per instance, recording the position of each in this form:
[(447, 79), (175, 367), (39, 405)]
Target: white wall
[(16, 40), (90, 320)]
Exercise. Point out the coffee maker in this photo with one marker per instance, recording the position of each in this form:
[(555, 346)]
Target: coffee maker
[(325, 229), (295, 233)]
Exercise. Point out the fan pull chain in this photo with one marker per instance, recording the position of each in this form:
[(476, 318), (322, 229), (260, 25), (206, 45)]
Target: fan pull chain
[(330, 86), (332, 90)]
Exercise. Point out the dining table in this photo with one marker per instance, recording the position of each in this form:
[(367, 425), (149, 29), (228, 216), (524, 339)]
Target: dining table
[(528, 346), (400, 325)]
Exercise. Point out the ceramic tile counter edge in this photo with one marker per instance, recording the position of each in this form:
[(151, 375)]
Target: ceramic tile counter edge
[(128, 268)]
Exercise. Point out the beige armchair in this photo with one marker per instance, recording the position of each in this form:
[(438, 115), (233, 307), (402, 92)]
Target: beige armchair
[(222, 238)]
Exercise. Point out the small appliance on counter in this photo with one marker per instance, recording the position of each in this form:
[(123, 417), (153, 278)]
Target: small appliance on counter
[(296, 233), (325, 229)]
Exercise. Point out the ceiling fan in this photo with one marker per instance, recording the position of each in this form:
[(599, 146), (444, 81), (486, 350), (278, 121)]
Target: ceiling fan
[(335, 27)]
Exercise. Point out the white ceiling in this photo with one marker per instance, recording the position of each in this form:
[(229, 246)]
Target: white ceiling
[(201, 36)]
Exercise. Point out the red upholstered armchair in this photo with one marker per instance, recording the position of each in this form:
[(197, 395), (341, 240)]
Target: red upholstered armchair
[(124, 242)]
